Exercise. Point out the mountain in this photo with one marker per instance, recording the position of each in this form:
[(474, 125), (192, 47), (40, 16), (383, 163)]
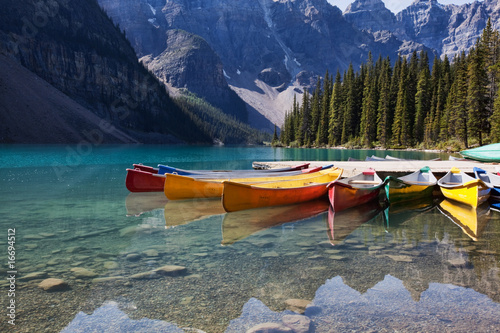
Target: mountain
[(70, 75), (269, 49)]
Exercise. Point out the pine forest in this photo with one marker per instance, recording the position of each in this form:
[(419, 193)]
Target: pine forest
[(452, 104)]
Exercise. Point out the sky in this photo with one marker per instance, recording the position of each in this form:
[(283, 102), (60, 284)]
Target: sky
[(396, 5)]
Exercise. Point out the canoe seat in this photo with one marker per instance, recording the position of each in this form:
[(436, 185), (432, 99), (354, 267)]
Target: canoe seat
[(365, 182)]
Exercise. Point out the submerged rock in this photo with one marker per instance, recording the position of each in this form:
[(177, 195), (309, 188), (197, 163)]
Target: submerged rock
[(270, 328), (171, 270), (33, 276), (52, 284), (297, 305), (83, 273), (299, 324)]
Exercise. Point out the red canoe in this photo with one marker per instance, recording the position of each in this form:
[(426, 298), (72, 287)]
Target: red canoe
[(144, 181), (354, 191), (146, 168)]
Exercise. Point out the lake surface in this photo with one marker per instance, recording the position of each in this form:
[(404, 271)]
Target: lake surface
[(430, 266)]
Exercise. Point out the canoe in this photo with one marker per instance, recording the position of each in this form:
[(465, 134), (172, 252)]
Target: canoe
[(489, 178), (248, 173), (410, 187), (144, 181), (457, 185), (374, 158), (354, 191), (165, 169), (488, 153), (471, 220), (237, 196), (183, 187), (146, 168), (147, 179), (239, 225), (342, 224)]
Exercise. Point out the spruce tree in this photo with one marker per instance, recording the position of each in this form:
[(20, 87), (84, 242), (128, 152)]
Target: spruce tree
[(336, 115)]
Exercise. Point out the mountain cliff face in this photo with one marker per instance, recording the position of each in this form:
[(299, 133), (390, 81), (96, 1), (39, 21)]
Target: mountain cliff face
[(371, 15), (268, 48), (74, 47)]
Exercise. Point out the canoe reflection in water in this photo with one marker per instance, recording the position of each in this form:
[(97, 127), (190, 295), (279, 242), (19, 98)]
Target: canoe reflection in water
[(342, 224), (401, 212), (140, 203), (471, 220), (185, 211), (239, 225)]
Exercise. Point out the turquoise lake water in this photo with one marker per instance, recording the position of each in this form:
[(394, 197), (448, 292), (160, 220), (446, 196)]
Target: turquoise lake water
[(426, 266)]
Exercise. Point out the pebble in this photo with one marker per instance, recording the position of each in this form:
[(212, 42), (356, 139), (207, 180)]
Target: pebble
[(270, 328), (151, 253), (145, 275), (297, 305), (272, 254), (52, 284), (457, 262), (83, 273), (111, 265), (33, 276), (186, 300), (400, 258), (171, 270), (299, 324), (133, 257)]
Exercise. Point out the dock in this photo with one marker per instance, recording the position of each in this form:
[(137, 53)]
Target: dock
[(385, 168)]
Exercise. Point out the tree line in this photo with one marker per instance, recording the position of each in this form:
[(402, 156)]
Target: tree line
[(408, 104)]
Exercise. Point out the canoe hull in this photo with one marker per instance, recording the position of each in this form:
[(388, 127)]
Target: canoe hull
[(183, 187), (143, 181), (397, 191), (488, 153), (472, 193), (237, 196), (344, 197)]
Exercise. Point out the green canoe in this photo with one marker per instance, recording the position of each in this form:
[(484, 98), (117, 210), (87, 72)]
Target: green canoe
[(488, 153)]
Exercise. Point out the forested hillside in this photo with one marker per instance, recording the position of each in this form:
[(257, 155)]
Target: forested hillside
[(452, 103)]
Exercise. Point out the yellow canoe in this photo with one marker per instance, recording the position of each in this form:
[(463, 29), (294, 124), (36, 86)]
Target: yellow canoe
[(457, 185), (238, 196), (182, 187), (471, 220)]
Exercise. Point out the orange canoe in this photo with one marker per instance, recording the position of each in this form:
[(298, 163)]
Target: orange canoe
[(238, 196), (183, 187)]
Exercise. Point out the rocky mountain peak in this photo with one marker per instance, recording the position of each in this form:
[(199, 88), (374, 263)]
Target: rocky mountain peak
[(370, 15), (363, 5)]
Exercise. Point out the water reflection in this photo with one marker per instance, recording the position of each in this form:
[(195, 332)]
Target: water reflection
[(239, 225), (140, 203), (471, 220), (342, 224), (178, 212)]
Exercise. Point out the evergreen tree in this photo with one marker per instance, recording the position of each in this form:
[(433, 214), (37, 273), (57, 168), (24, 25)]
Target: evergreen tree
[(422, 103), (322, 134), (384, 118), (368, 123), (401, 125), (349, 106), (477, 95), (336, 115)]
